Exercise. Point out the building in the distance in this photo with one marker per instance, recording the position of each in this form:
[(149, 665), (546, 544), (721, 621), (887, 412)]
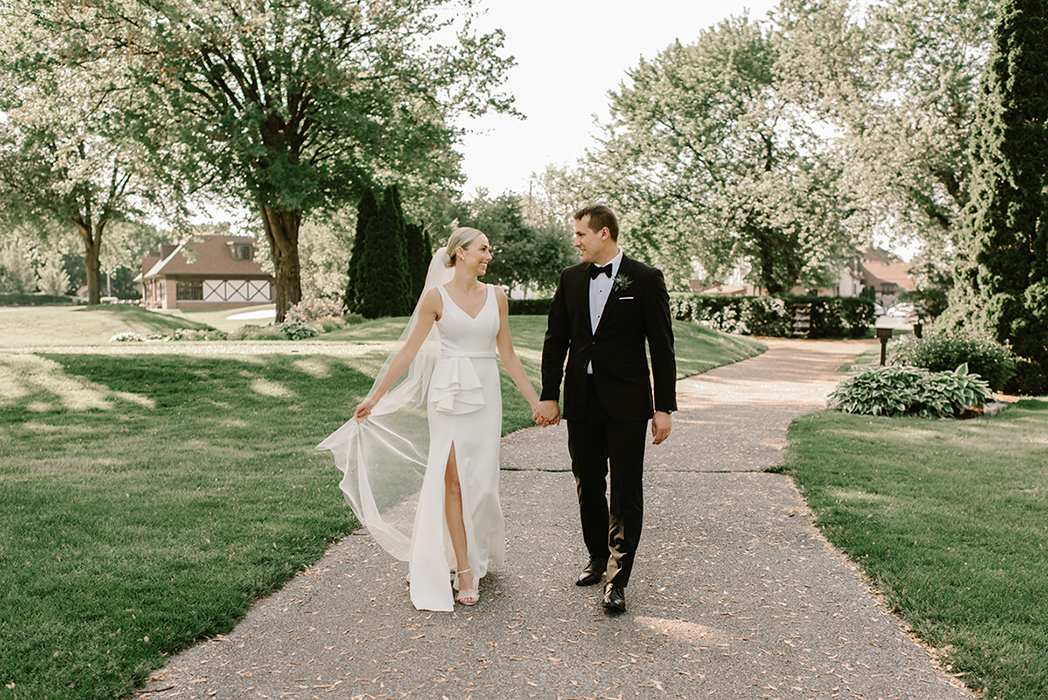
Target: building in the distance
[(205, 272)]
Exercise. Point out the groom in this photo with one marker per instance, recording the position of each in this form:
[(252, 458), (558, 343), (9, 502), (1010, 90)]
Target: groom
[(602, 313)]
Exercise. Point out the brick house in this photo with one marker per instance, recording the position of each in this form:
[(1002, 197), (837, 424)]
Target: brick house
[(885, 274), (205, 272)]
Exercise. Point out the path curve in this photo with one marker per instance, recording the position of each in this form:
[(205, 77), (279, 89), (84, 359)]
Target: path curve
[(735, 593)]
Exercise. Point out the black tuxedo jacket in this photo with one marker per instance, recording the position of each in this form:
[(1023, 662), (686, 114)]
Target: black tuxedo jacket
[(637, 311)]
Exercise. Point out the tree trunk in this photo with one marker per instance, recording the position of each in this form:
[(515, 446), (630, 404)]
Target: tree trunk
[(92, 238), (282, 233)]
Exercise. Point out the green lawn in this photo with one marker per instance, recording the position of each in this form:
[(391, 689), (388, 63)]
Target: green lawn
[(147, 500), (950, 519), (48, 326), (222, 319)]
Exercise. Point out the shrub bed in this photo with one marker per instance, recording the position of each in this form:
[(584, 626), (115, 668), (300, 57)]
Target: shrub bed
[(940, 351), (830, 317), (11, 299), (898, 391), (521, 307)]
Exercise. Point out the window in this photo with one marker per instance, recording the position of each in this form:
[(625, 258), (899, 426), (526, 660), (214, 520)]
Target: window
[(188, 290), (241, 252)]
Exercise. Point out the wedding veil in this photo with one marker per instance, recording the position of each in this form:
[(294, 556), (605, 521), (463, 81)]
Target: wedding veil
[(383, 458)]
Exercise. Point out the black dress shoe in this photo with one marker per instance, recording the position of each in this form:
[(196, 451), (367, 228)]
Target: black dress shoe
[(614, 598), (593, 572)]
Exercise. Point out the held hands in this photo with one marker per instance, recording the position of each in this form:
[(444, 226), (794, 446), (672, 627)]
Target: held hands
[(547, 413)]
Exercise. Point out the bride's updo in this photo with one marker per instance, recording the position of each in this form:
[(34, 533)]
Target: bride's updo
[(460, 238)]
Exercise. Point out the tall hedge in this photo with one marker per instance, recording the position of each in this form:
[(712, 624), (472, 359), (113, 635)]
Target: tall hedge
[(384, 284), (1002, 272), (419, 255), (366, 210), (830, 317)]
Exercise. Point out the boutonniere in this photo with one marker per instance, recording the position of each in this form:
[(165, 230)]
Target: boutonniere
[(621, 283)]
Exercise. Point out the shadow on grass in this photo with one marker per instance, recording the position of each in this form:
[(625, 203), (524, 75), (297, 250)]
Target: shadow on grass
[(145, 502)]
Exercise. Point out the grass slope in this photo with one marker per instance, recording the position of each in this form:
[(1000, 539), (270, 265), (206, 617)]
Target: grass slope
[(147, 500), (950, 519), (49, 326)]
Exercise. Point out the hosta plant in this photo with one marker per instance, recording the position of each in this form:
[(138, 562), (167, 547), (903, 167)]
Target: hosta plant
[(298, 331), (902, 390)]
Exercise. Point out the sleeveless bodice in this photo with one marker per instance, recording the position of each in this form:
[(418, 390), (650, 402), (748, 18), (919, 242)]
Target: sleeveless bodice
[(464, 340), (462, 335)]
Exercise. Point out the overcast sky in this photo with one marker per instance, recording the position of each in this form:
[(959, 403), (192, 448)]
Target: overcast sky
[(569, 54)]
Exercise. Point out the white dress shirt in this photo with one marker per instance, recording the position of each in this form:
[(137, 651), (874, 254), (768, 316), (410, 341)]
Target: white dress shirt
[(599, 291)]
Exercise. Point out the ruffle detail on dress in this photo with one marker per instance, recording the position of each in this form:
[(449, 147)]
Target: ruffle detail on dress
[(456, 387)]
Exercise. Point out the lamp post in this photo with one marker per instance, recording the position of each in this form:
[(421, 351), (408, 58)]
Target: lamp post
[(882, 335)]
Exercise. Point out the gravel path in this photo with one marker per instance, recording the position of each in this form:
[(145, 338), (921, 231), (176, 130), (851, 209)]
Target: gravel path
[(735, 593)]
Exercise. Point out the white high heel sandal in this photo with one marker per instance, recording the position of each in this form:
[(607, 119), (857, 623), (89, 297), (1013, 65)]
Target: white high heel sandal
[(468, 596)]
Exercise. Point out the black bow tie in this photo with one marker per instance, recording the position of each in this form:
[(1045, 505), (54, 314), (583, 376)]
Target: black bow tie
[(594, 271)]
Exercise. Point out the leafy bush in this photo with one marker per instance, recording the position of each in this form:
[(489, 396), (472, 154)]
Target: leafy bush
[(185, 334), (520, 307), (313, 310), (897, 391), (838, 317), (127, 337), (252, 332), (769, 316), (1029, 379), (831, 317), (298, 331), (326, 325), (939, 351), (36, 300)]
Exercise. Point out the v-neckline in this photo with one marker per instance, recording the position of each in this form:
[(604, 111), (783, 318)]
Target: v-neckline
[(487, 293)]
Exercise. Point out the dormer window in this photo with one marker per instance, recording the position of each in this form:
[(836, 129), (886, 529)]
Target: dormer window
[(241, 251)]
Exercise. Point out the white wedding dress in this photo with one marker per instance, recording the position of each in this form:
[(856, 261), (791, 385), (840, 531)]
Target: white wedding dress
[(393, 463), (465, 411)]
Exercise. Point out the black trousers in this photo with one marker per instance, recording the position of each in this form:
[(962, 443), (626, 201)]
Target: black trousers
[(598, 445)]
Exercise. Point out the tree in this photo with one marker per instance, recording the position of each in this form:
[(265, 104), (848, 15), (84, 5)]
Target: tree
[(707, 159), (290, 108), (53, 279), (367, 209), (522, 255), (896, 82), (1002, 275), (65, 156), (385, 288), (16, 273), (419, 256)]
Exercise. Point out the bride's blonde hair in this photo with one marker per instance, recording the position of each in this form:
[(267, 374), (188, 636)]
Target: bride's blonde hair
[(460, 238)]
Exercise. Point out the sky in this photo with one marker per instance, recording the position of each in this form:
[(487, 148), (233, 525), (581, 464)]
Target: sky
[(570, 54)]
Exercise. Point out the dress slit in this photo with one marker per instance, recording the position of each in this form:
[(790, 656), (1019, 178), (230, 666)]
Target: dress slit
[(472, 435)]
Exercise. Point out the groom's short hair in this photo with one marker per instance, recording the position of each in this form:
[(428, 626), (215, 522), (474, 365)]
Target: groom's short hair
[(600, 217)]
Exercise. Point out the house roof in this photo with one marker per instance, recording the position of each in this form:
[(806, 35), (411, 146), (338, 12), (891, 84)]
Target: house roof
[(875, 273), (204, 255)]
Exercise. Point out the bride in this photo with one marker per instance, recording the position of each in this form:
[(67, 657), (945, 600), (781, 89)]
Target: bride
[(446, 366)]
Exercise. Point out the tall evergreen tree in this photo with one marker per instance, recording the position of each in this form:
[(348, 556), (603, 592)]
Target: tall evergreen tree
[(1002, 275), (367, 209), (385, 284), (418, 257)]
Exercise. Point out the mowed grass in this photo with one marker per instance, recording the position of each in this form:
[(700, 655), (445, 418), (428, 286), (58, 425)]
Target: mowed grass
[(950, 519), (147, 500), (49, 326)]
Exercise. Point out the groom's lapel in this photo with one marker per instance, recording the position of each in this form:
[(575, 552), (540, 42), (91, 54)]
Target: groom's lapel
[(625, 267), (582, 290)]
